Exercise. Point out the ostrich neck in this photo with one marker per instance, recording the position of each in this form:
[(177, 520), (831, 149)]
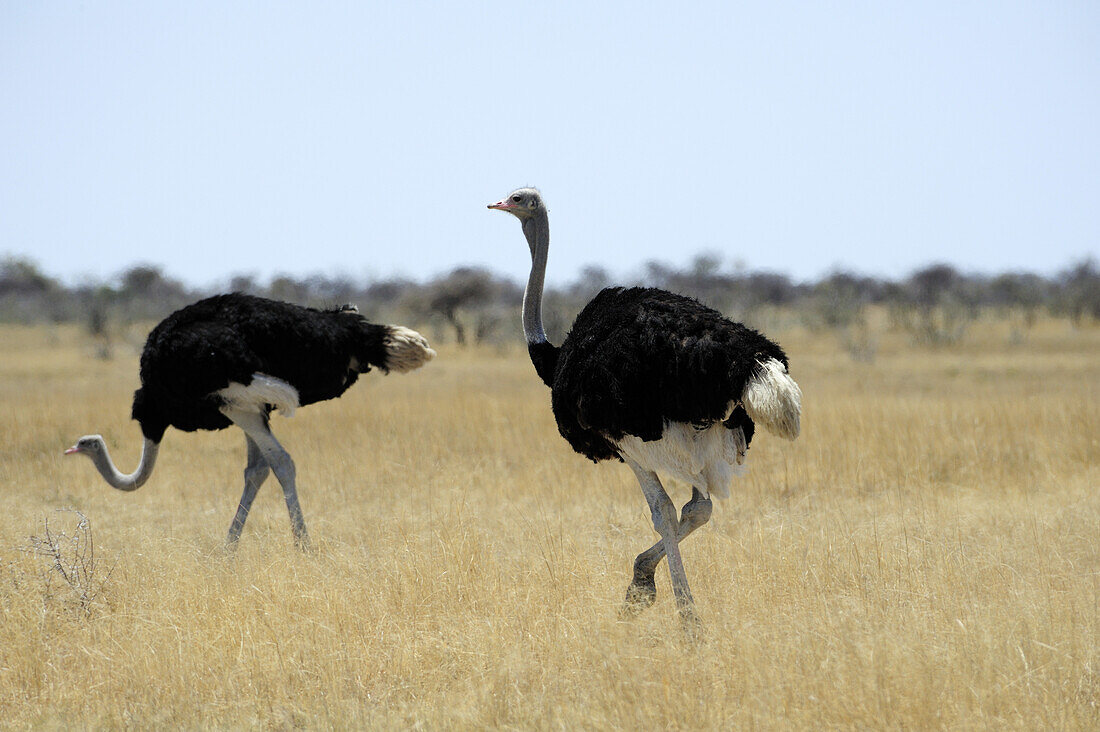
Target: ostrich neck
[(537, 231), (134, 480)]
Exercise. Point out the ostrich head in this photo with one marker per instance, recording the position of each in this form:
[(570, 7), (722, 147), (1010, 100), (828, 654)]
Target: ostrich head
[(521, 203), (527, 206), (90, 445)]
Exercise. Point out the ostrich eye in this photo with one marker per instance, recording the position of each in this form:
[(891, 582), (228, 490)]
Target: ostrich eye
[(515, 199)]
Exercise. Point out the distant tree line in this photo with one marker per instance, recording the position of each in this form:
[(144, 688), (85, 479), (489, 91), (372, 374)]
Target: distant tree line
[(473, 305)]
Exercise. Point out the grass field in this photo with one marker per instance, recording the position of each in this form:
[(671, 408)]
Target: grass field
[(925, 556)]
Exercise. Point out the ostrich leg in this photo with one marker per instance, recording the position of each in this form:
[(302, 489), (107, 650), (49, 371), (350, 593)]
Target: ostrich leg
[(255, 473), (643, 589), (664, 521), (255, 425)]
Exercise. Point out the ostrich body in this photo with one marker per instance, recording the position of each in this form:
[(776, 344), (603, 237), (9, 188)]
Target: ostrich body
[(661, 382), (232, 359)]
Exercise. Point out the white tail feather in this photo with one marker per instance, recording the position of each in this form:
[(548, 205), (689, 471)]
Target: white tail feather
[(406, 349), (773, 399)]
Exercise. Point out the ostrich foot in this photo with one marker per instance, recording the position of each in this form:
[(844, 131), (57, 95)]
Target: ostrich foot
[(691, 625), (302, 543), (641, 595)]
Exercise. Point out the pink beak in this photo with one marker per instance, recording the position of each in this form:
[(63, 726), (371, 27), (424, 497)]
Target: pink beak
[(502, 205), (72, 450)]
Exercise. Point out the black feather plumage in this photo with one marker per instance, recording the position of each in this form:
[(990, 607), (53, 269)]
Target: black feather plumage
[(638, 358), (199, 349)]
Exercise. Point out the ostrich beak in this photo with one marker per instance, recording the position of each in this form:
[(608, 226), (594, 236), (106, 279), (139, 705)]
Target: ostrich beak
[(502, 205), (73, 450)]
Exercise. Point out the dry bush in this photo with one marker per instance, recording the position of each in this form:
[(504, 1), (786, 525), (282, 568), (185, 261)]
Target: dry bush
[(72, 578)]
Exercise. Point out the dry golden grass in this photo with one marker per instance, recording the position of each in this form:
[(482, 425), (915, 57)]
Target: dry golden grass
[(926, 556)]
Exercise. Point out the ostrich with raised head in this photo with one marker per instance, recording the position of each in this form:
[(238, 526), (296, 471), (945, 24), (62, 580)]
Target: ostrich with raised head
[(233, 359), (661, 382)]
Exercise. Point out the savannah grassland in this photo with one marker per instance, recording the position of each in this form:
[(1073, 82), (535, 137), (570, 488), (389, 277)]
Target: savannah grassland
[(925, 556)]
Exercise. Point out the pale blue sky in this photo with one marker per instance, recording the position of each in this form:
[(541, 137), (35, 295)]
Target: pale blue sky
[(366, 138)]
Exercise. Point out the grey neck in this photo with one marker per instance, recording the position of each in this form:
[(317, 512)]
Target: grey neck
[(537, 230), (134, 480)]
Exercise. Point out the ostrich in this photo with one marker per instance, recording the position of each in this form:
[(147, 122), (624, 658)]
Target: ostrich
[(232, 359), (663, 383)]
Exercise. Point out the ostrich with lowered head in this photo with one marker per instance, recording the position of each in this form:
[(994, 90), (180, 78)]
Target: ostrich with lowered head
[(661, 382), (233, 359)]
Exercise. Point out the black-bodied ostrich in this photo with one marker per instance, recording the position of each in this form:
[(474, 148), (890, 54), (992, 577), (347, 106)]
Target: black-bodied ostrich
[(659, 381), (232, 359)]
